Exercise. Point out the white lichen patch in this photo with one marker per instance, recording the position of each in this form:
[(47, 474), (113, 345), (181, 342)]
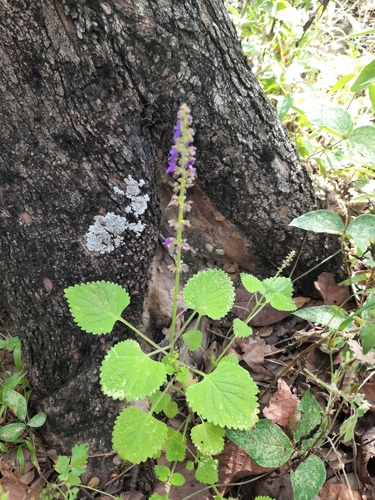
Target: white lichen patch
[(106, 233)]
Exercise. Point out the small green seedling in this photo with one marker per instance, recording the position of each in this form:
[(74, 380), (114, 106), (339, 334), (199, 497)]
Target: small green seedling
[(15, 391)]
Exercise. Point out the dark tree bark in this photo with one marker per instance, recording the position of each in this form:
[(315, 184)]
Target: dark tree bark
[(89, 95)]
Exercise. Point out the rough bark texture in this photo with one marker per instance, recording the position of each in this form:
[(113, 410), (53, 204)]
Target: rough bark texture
[(89, 95)]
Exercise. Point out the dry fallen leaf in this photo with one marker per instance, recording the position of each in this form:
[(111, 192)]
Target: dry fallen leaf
[(282, 405), (331, 292), (244, 304), (235, 463), (338, 491)]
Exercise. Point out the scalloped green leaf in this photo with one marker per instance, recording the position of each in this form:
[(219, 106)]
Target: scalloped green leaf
[(241, 329), (193, 339), (308, 478), (282, 303), (280, 285), (159, 400), (266, 443), (210, 293), (207, 470), (96, 306), (226, 397), (320, 221), (177, 479), (208, 438), (138, 436), (251, 283), (176, 446), (128, 373)]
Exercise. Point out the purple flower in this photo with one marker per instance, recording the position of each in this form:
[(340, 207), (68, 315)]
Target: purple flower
[(177, 130), (167, 242), (172, 160)]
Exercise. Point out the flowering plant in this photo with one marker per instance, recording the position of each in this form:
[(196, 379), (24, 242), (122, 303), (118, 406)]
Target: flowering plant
[(224, 398)]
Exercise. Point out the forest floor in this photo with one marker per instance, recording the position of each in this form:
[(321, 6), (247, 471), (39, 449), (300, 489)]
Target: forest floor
[(285, 357)]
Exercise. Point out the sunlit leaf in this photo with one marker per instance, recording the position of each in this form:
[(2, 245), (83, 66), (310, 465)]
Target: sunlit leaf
[(320, 221), (97, 306), (128, 373), (210, 293)]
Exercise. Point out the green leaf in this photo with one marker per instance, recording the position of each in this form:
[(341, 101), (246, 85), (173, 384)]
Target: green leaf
[(155, 496), (280, 285), (363, 139), (336, 120), (193, 339), (282, 303), (38, 420), (263, 498), (62, 466), (159, 400), (9, 433), (138, 436), (362, 230), (127, 372), (308, 478), (177, 479), (251, 283), (208, 438), (371, 93), (97, 306), (347, 428), (320, 221), (226, 397), (341, 83), (266, 443), (79, 459), (171, 409), (367, 336), (311, 416), (176, 446), (20, 459), (241, 329), (162, 472), (366, 76), (285, 106), (331, 316), (210, 293), (207, 470), (70, 468), (15, 401)]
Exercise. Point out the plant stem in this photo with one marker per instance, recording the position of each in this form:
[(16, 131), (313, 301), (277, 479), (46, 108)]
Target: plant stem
[(178, 261)]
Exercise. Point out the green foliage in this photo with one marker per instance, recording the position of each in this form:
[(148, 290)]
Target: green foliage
[(70, 468), (266, 443), (97, 306), (308, 478), (15, 392), (210, 293), (325, 98)]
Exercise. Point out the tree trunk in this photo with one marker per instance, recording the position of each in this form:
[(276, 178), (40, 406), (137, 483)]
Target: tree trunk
[(89, 95)]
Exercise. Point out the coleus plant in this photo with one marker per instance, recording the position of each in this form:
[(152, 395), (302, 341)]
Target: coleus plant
[(224, 398)]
